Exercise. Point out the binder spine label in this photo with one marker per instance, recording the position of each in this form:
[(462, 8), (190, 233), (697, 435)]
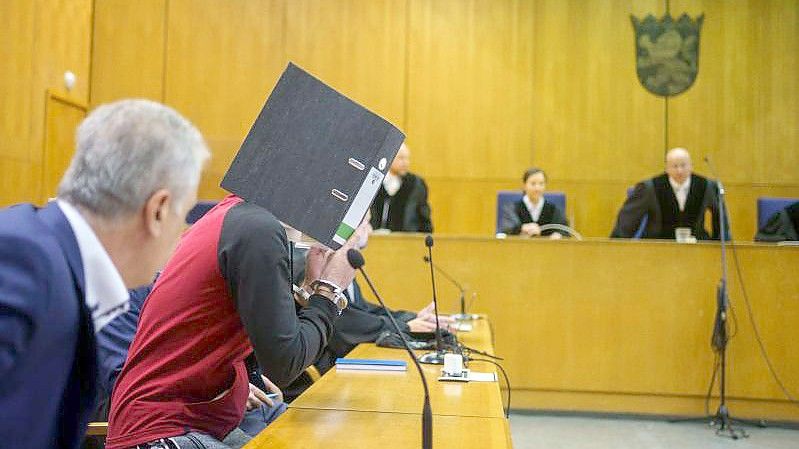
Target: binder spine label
[(362, 201)]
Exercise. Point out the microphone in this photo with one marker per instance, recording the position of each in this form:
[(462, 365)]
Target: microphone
[(463, 316), (437, 357), (356, 261), (722, 205), (714, 173)]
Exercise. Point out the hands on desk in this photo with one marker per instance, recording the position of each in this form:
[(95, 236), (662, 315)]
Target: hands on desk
[(425, 320)]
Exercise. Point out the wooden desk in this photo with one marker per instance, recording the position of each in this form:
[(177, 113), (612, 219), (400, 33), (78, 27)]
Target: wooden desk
[(347, 409), (612, 325), (332, 429), (402, 392)]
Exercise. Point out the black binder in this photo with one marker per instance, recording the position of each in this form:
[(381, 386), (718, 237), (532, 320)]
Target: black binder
[(314, 158)]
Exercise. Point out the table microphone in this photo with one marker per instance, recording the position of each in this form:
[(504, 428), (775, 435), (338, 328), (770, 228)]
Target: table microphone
[(463, 316), (437, 357), (356, 261)]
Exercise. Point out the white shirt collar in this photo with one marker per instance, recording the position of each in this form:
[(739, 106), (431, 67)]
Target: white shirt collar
[(534, 209), (681, 191), (684, 186), (392, 183), (105, 293)]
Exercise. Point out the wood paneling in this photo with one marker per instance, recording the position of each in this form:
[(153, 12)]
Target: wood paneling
[(483, 89), (222, 60), (470, 93), (62, 117), (744, 108), (356, 47), (611, 319), (128, 50), (592, 120), (16, 87), (43, 39)]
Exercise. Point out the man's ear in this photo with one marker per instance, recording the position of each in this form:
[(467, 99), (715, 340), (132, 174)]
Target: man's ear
[(155, 211)]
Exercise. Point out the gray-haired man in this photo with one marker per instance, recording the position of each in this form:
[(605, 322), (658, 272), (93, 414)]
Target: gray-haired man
[(65, 268)]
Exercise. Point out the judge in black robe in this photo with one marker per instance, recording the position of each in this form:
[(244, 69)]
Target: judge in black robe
[(782, 226), (516, 217), (401, 203), (657, 199)]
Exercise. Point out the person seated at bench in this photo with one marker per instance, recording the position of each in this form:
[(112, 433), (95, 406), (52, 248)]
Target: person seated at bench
[(526, 216)]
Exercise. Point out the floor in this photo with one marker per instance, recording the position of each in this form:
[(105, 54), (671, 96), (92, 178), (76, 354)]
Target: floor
[(567, 432)]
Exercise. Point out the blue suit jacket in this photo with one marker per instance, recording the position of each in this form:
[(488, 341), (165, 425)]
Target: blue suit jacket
[(48, 362)]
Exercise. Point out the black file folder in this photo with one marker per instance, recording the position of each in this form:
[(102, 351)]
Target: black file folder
[(314, 158)]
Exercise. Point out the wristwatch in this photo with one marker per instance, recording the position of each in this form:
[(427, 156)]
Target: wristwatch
[(301, 296), (330, 291)]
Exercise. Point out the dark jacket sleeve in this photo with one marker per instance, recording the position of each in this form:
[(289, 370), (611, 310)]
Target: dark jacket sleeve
[(632, 212), (559, 217), (509, 222), (779, 228), (253, 259), (114, 339), (23, 292), (423, 208), (713, 195)]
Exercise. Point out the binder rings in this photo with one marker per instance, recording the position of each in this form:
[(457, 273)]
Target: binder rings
[(314, 158)]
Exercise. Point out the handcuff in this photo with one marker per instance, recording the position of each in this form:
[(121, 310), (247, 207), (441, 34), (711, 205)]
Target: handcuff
[(321, 287)]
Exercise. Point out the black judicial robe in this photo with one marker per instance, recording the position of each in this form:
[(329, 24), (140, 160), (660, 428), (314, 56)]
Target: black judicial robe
[(408, 210), (656, 199), (782, 226), (516, 214)]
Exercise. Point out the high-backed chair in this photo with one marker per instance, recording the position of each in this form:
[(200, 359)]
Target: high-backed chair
[(640, 231), (768, 206), (505, 197)]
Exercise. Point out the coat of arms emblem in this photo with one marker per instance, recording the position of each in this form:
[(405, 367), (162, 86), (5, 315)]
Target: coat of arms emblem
[(667, 52)]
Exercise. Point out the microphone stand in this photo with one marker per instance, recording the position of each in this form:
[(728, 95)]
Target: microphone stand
[(356, 260), (462, 316), (437, 357), (720, 338)]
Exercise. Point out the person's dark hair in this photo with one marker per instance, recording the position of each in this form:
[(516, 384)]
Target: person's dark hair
[(531, 172)]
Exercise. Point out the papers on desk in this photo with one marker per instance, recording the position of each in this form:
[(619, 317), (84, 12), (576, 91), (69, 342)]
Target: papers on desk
[(482, 377), (469, 376), (371, 365), (461, 326)]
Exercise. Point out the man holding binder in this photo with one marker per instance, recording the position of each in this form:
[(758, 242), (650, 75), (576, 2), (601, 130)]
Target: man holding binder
[(224, 294)]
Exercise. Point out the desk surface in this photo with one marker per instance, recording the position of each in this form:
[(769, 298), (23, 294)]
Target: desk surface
[(402, 392), (333, 429)]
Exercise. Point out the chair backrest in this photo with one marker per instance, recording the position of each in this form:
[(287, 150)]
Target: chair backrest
[(199, 209), (768, 206), (640, 231), (505, 197)]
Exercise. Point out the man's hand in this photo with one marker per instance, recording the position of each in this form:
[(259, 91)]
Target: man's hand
[(337, 269), (418, 325), (257, 397), (531, 229), (556, 236), (315, 261), (428, 314)]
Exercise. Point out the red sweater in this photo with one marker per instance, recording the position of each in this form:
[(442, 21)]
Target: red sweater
[(189, 347), (225, 292)]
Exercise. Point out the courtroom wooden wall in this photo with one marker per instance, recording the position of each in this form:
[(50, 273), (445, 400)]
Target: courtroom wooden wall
[(483, 89), (41, 40)]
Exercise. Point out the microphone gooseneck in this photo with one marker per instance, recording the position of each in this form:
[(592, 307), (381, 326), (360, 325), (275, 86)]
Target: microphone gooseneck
[(457, 285), (356, 261), (428, 241)]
